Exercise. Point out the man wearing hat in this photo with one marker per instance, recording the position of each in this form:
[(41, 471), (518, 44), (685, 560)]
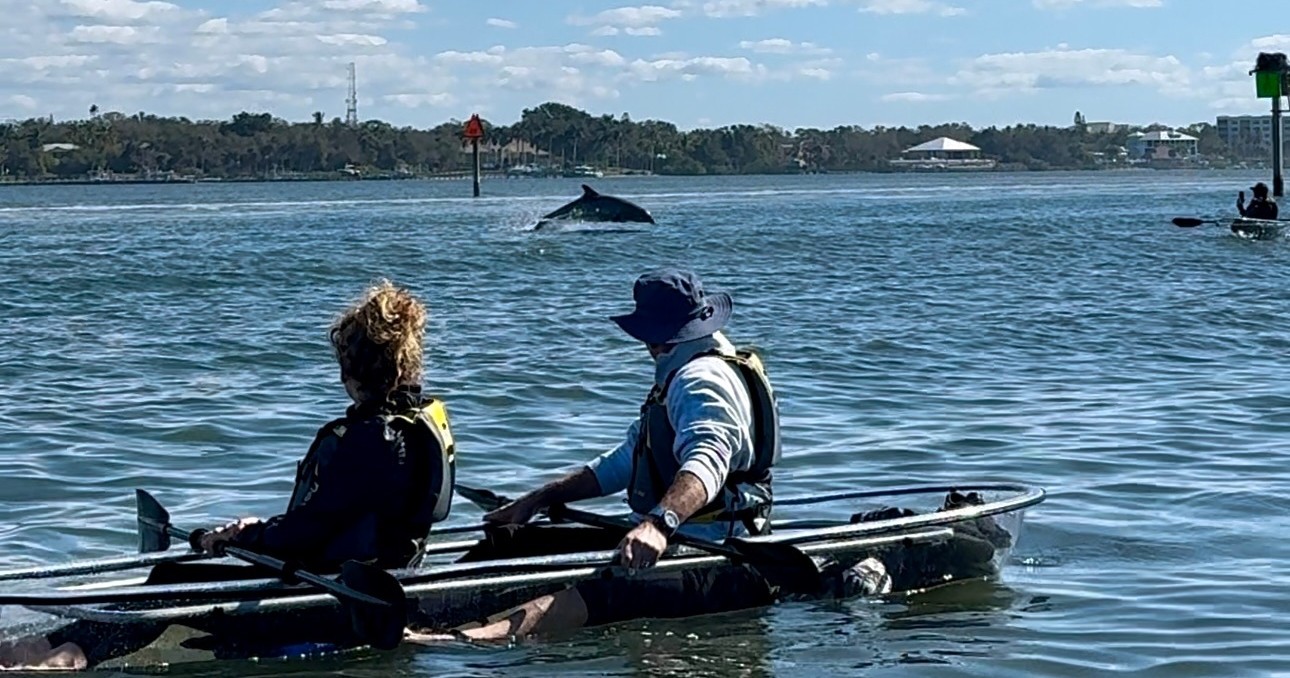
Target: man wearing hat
[(697, 459), (1260, 207)]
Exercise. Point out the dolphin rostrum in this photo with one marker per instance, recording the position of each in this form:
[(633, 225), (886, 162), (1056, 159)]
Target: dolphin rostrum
[(592, 206)]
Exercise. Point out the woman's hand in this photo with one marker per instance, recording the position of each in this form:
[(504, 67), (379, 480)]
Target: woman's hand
[(214, 540)]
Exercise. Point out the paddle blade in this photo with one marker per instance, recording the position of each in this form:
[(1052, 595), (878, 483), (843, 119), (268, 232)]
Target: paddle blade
[(379, 626), (783, 565), (153, 520), (1187, 222)]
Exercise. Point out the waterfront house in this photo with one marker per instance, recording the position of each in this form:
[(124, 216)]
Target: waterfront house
[(942, 154), (1161, 144)]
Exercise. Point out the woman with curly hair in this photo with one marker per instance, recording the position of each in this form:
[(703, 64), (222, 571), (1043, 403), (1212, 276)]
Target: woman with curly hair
[(368, 489), (374, 480)]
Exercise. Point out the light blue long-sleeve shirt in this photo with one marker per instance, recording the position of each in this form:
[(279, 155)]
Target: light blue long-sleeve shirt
[(710, 410)]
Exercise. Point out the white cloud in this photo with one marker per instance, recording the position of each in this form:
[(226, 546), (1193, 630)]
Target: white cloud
[(1067, 4), (781, 46), (1270, 43), (452, 56), (636, 17), (737, 68), (1027, 71), (117, 35), (23, 101), (574, 73), (912, 97), (603, 57), (214, 26), (738, 8), (375, 6), (637, 21), (352, 39), (502, 23), (439, 100), (118, 10), (910, 7)]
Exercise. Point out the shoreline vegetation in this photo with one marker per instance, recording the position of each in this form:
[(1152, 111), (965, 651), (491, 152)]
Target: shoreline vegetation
[(549, 140)]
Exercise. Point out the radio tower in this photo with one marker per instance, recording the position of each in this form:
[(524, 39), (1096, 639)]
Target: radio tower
[(351, 104)]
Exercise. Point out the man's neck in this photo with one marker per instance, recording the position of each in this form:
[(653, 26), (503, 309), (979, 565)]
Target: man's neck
[(680, 354)]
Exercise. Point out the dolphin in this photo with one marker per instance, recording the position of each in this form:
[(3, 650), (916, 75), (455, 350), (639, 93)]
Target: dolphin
[(592, 206)]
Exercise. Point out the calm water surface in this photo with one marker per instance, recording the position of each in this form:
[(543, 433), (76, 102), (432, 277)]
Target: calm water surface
[(1051, 329)]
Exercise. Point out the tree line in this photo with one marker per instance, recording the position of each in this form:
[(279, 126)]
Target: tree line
[(552, 135)]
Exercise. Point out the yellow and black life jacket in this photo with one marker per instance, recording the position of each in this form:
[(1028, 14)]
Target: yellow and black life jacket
[(426, 455)]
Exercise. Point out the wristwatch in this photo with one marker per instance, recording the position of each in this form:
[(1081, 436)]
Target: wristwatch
[(665, 519)]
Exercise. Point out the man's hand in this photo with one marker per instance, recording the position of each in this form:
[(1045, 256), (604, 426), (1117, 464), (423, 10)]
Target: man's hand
[(642, 546), (216, 538), (517, 512)]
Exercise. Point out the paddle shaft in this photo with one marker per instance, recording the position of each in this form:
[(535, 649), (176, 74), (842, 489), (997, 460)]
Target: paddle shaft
[(1192, 222), (560, 511), (283, 568), (99, 566), (786, 558)]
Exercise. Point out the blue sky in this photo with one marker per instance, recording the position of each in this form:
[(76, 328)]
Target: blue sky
[(694, 62)]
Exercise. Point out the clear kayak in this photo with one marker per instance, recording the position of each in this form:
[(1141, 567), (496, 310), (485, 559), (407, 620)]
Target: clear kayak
[(447, 593), (1257, 229)]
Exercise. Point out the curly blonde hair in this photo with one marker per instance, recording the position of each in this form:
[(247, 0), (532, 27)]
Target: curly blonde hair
[(378, 340)]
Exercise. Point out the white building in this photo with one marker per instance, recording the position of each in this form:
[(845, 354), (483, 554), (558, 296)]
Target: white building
[(1246, 134), (943, 153), (1102, 127), (1161, 145)]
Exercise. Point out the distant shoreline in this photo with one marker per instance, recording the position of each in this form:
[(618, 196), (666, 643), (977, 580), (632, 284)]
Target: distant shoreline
[(495, 176)]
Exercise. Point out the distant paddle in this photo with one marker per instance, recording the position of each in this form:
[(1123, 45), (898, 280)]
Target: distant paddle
[(1189, 222), (375, 598), (784, 566)]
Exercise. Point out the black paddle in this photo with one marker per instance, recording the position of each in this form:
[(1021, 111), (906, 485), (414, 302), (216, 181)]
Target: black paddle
[(374, 598), (1188, 222), (784, 566), (1191, 222)]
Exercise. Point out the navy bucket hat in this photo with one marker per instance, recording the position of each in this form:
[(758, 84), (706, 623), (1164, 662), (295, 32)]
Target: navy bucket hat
[(671, 307)]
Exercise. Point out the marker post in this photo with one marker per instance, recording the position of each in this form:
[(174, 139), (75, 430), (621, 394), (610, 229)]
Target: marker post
[(474, 132)]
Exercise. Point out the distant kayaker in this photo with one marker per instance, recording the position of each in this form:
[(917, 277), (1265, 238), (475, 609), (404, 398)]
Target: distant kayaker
[(1260, 207), (697, 459), (369, 488)]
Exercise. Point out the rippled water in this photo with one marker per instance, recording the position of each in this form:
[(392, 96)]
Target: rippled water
[(1051, 329)]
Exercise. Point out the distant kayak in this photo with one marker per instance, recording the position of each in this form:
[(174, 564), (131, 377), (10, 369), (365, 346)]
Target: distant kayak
[(1257, 229)]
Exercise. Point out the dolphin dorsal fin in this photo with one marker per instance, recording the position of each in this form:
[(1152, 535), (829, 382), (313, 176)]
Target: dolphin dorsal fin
[(589, 192)]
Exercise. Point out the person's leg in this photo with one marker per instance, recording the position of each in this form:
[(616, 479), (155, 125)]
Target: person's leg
[(611, 600), (82, 644), (560, 611), (39, 654), (563, 609)]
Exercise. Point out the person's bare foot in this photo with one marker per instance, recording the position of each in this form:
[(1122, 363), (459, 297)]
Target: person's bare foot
[(480, 634), (35, 654), (420, 638)]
